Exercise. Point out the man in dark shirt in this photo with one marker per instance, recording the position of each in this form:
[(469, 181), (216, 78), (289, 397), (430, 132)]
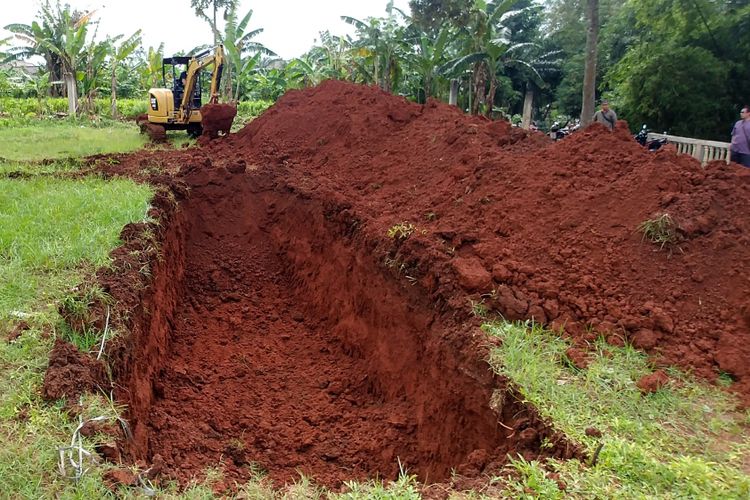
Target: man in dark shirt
[(740, 149)]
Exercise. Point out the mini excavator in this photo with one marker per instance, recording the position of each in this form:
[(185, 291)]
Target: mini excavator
[(179, 108)]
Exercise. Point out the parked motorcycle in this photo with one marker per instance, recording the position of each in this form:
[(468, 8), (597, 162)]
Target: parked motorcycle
[(557, 131), (642, 138)]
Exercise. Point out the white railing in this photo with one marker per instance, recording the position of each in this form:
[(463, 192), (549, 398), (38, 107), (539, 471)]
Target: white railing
[(703, 151)]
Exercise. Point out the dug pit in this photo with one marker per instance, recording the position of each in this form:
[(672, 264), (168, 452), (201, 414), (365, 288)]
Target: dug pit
[(273, 337)]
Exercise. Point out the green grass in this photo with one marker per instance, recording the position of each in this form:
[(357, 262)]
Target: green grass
[(64, 139), (52, 233), (53, 229), (687, 440)]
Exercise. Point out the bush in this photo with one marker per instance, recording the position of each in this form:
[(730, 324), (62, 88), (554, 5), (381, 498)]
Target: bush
[(253, 108), (16, 108)]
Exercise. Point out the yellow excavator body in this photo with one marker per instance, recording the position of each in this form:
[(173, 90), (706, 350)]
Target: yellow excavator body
[(179, 108)]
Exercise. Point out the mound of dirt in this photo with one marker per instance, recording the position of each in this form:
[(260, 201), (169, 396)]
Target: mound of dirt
[(549, 230), (71, 373)]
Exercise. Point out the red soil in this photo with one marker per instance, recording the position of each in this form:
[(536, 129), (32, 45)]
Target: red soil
[(289, 349), (217, 118), (552, 228), (284, 327)]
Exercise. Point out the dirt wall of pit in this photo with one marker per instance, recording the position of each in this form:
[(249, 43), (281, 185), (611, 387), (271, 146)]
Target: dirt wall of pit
[(405, 354), (137, 357)]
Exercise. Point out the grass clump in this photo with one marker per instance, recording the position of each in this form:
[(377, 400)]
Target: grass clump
[(661, 230), (401, 231), (685, 441)]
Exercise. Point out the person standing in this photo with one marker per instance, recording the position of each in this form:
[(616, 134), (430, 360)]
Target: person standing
[(606, 115), (740, 148)]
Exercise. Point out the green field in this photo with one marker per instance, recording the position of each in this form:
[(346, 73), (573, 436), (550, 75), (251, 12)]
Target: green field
[(56, 140)]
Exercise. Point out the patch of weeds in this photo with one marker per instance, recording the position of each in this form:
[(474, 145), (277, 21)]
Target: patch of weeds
[(430, 216), (394, 264), (152, 170), (401, 231), (725, 379), (684, 441), (404, 488), (86, 340), (662, 230), (478, 308), (76, 305)]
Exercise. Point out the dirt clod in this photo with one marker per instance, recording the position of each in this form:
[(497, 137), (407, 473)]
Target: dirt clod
[(70, 373), (17, 331), (653, 382), (217, 119), (578, 357), (114, 478), (593, 432)]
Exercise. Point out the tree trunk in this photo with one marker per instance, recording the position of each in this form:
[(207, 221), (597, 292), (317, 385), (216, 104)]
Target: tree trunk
[(70, 87), (214, 27), (114, 93), (478, 90), (453, 98), (378, 76), (589, 74), (491, 96), (528, 106), (387, 75)]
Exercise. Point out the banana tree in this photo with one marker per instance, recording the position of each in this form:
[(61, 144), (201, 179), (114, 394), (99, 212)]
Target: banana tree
[(489, 50), (92, 68), (429, 56), (120, 52), (382, 45), (51, 27), (150, 72), (70, 51), (238, 44)]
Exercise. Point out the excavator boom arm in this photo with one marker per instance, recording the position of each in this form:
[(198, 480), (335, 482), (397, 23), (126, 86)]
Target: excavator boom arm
[(196, 64)]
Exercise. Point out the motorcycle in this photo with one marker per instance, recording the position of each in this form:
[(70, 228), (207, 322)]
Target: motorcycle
[(557, 132), (642, 138)]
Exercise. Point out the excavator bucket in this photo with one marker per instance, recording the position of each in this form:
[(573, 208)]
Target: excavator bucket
[(217, 118)]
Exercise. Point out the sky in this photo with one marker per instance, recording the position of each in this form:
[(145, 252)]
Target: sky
[(290, 26)]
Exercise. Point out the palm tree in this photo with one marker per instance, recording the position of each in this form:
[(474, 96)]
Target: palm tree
[(382, 45), (238, 45), (119, 54), (490, 50)]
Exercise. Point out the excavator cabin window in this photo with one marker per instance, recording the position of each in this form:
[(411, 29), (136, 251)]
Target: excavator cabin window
[(178, 67)]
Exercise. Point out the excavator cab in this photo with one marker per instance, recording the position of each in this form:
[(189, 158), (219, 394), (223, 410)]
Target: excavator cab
[(171, 78)]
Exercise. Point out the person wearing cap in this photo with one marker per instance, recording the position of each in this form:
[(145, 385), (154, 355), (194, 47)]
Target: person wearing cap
[(740, 149), (606, 115)]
